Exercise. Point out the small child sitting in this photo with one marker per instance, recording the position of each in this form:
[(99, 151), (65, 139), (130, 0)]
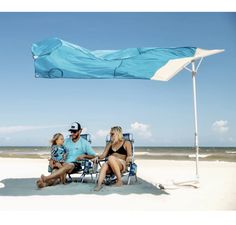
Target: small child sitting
[(58, 153)]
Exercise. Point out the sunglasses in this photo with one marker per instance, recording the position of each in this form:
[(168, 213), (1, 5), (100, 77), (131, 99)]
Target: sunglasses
[(73, 131)]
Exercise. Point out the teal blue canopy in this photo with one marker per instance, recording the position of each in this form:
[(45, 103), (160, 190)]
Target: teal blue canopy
[(55, 58)]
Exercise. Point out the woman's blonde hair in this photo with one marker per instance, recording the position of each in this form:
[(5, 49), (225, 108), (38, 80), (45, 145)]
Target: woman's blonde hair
[(119, 132), (55, 138)]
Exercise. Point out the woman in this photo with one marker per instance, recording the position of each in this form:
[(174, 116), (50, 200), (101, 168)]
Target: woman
[(119, 153)]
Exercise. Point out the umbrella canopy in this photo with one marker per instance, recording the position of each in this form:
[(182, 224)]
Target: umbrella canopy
[(55, 58)]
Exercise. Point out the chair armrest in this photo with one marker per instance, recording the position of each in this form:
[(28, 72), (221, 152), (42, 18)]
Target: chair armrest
[(133, 168)]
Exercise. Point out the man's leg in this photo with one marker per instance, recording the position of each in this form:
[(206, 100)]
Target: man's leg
[(49, 180)]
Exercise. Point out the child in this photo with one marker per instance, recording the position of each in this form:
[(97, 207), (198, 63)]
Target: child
[(58, 153)]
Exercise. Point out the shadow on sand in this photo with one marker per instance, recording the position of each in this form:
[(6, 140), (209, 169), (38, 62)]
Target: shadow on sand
[(27, 187)]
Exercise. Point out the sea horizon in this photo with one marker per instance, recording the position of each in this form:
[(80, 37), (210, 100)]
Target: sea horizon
[(141, 152), (137, 146)]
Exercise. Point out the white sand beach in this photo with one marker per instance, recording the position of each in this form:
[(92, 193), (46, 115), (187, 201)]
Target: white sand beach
[(216, 191)]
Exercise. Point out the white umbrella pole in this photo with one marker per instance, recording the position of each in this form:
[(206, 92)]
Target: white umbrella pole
[(195, 117), (195, 182)]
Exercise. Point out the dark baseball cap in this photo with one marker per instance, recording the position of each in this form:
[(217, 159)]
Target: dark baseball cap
[(75, 127)]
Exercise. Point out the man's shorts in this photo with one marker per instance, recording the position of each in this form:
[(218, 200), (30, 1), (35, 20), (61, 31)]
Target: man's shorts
[(77, 167)]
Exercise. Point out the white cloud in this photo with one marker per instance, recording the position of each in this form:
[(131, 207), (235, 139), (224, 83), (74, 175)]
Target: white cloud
[(15, 129), (220, 126), (141, 129), (85, 130), (102, 133)]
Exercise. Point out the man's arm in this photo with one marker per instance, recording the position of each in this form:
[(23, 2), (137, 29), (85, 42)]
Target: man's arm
[(89, 153), (84, 156)]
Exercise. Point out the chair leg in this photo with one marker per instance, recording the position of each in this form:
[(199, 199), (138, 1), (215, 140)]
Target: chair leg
[(69, 178), (128, 180), (96, 178), (82, 178)]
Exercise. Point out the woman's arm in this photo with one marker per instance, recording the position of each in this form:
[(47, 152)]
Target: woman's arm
[(128, 148), (105, 152)]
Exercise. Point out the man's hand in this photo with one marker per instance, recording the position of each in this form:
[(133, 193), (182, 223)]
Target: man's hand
[(80, 157)]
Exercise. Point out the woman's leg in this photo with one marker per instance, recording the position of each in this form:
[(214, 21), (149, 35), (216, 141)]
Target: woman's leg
[(116, 167), (105, 168)]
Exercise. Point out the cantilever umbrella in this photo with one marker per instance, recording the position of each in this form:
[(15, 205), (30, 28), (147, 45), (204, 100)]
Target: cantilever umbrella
[(55, 58)]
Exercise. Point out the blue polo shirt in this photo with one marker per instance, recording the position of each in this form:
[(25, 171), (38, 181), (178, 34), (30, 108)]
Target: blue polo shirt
[(78, 148)]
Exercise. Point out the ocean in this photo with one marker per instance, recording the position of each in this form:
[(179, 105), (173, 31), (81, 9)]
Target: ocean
[(162, 153)]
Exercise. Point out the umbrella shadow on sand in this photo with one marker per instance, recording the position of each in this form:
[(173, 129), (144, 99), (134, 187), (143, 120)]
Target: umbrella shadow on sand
[(27, 187)]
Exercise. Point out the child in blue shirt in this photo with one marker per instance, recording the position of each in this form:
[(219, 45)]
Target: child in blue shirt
[(58, 153)]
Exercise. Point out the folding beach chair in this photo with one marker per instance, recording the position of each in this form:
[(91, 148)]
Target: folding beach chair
[(132, 167), (86, 165)]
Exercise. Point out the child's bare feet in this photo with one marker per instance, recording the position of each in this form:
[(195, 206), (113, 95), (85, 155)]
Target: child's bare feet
[(118, 183)]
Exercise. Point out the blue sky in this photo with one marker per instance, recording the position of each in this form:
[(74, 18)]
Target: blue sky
[(158, 113)]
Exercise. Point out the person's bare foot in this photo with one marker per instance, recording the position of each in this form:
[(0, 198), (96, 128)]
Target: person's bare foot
[(98, 188), (40, 183), (118, 184), (63, 179), (43, 178)]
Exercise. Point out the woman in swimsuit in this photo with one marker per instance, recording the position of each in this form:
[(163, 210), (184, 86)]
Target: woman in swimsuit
[(119, 155)]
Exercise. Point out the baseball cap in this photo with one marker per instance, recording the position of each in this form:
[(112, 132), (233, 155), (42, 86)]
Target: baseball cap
[(75, 127)]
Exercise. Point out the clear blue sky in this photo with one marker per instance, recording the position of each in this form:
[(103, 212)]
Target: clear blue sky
[(158, 113)]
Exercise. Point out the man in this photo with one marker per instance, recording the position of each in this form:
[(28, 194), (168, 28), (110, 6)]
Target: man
[(78, 149)]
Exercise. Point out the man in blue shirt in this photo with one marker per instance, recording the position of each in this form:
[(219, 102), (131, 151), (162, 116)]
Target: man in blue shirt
[(78, 149)]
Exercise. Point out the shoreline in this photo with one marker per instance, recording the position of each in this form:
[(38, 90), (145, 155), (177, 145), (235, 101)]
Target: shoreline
[(137, 157), (227, 154)]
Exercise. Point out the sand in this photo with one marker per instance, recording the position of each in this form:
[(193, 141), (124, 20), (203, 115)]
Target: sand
[(216, 190)]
